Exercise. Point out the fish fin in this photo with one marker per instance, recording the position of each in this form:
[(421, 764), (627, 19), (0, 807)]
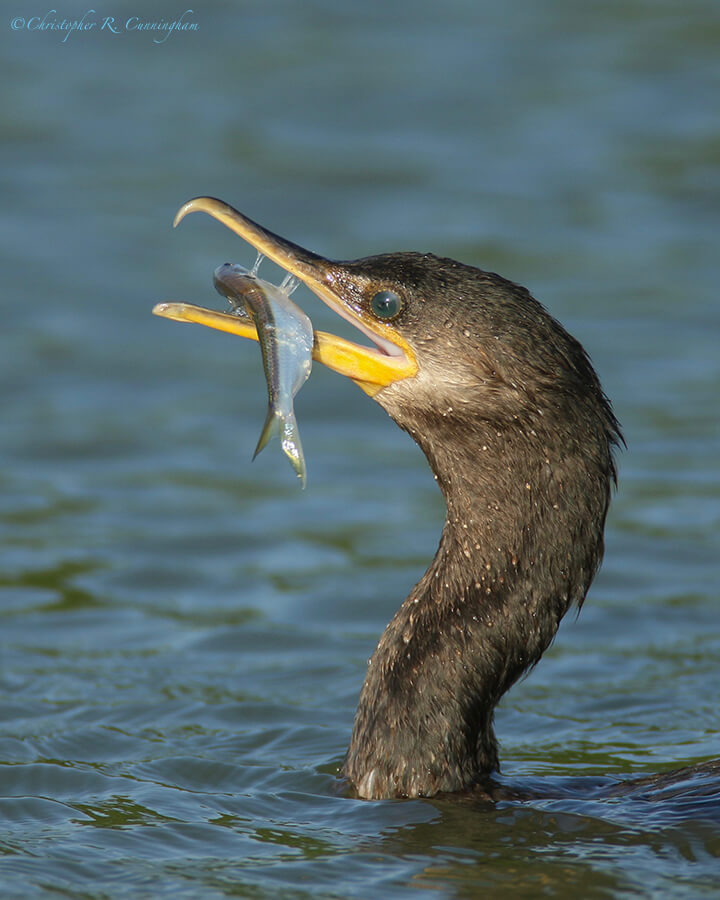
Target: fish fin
[(272, 426), (293, 448)]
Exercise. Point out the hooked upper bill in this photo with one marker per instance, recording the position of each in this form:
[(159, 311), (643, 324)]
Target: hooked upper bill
[(372, 368)]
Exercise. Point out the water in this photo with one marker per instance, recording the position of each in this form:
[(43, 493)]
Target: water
[(184, 634)]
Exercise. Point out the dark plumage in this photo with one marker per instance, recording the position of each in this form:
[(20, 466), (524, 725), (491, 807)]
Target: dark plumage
[(512, 419)]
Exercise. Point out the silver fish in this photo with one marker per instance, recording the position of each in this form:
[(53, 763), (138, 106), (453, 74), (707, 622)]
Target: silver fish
[(286, 340)]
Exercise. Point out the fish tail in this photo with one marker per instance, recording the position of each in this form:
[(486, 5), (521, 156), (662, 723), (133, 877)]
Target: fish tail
[(287, 428)]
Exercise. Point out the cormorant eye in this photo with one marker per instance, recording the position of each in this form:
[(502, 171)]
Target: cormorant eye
[(386, 304)]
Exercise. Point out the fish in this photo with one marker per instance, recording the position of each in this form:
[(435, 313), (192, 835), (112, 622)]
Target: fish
[(286, 338)]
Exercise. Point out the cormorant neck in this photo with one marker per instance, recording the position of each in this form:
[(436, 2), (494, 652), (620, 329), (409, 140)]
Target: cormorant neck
[(521, 542)]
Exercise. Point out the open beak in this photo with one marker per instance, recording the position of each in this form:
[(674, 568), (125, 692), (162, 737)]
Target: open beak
[(372, 368)]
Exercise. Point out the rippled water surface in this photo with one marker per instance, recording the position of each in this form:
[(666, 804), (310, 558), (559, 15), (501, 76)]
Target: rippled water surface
[(184, 634)]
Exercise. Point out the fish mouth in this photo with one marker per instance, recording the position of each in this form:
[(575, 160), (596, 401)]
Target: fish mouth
[(390, 358)]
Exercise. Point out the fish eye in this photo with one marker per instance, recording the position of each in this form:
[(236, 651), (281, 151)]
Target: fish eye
[(386, 304)]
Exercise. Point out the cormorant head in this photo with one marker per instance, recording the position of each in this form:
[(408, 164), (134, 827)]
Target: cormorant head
[(449, 341)]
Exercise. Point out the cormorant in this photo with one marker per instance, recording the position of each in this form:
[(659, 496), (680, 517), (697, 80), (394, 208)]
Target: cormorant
[(510, 414)]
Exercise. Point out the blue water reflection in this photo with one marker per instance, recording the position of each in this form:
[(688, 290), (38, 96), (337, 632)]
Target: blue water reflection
[(184, 634)]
